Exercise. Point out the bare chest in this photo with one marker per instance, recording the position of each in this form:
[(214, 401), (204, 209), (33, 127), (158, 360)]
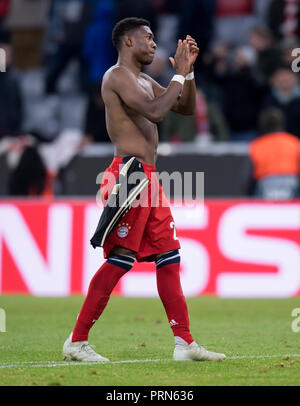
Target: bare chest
[(146, 86)]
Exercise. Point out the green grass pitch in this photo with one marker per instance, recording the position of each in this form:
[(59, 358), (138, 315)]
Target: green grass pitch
[(255, 334)]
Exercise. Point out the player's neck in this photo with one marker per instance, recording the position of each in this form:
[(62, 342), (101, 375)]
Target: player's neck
[(130, 64)]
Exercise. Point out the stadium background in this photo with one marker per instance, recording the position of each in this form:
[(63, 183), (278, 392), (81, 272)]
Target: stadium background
[(53, 143)]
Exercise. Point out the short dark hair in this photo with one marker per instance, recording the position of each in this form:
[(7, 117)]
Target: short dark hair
[(125, 25), (271, 120)]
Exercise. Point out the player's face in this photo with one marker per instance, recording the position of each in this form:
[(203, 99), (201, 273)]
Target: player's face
[(144, 45)]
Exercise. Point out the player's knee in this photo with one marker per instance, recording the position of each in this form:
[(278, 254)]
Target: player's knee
[(171, 257), (125, 262)]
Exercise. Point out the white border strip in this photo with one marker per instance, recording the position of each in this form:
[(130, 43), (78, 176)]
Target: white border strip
[(51, 364), (172, 149)]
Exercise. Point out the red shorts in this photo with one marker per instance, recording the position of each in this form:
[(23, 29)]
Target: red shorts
[(145, 230)]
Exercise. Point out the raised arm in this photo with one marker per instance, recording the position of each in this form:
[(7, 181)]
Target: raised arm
[(186, 103), (125, 84)]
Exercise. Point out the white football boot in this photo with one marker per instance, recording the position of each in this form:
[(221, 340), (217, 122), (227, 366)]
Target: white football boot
[(195, 352), (80, 351)]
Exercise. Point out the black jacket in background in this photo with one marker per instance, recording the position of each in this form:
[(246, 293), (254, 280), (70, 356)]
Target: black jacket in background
[(291, 111), (241, 99), (11, 109)]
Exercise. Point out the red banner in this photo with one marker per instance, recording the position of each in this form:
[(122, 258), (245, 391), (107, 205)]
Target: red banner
[(233, 248)]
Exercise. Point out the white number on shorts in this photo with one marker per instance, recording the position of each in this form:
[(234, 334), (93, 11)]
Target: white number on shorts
[(172, 225)]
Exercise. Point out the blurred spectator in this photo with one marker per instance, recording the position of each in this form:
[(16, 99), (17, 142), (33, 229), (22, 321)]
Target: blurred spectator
[(196, 19), (206, 125), (202, 117), (97, 45), (26, 173), (234, 19), (57, 155), (28, 177), (35, 167), (27, 19), (244, 73), (209, 120), (275, 157), (168, 16), (284, 19), (11, 103), (100, 55), (95, 124), (218, 126), (74, 16), (285, 95), (176, 128), (267, 54), (240, 93), (286, 52)]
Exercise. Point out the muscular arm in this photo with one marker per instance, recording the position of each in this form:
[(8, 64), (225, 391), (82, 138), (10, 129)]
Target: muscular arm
[(126, 86), (186, 103)]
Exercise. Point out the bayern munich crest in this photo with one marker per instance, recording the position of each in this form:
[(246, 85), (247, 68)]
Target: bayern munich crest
[(123, 230)]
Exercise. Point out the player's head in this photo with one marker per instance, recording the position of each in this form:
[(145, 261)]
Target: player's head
[(133, 35)]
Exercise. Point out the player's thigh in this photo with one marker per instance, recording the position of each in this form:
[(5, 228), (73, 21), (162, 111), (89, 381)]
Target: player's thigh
[(123, 251)]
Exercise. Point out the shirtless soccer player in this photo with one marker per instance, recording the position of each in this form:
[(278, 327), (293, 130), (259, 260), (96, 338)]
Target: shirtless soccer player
[(135, 103)]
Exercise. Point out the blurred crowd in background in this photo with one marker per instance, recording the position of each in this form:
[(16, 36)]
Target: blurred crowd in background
[(58, 50)]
